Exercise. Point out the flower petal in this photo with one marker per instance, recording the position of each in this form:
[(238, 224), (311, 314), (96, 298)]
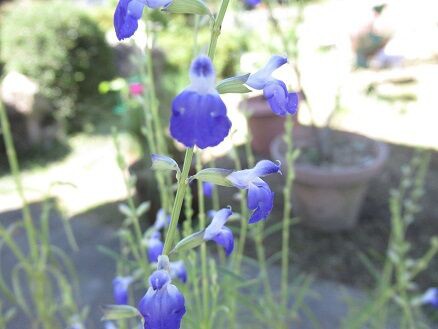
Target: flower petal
[(292, 103), (135, 9), (225, 239), (259, 79), (252, 3), (155, 247), (242, 178), (125, 25), (199, 120), (202, 75), (280, 101), (162, 220), (162, 307), (178, 270), (207, 189), (266, 167), (430, 297), (217, 223), (158, 279), (120, 290), (260, 200)]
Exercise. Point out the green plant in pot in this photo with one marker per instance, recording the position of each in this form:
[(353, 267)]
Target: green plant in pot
[(332, 174)]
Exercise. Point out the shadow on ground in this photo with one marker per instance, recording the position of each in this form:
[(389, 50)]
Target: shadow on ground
[(95, 270), (329, 257)]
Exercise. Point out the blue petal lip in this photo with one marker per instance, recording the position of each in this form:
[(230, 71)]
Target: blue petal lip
[(225, 239), (199, 119), (431, 297), (135, 9), (259, 79), (207, 189), (292, 103), (280, 101), (179, 270), (124, 24), (252, 3), (266, 167), (155, 249), (158, 279), (218, 221), (120, 290), (162, 220), (163, 306), (260, 200)]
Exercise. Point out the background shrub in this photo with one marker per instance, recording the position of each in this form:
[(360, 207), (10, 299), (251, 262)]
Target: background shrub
[(63, 49)]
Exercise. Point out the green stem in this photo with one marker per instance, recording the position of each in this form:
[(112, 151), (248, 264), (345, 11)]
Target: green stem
[(204, 270), (141, 255), (15, 170), (216, 28), (176, 210), (287, 214)]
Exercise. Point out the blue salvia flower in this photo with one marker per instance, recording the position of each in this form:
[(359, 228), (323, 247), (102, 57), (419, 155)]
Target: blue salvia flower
[(178, 270), (260, 196), (199, 116), (162, 220), (128, 12), (120, 289), (219, 233), (207, 189), (430, 297), (163, 306), (280, 100), (252, 3), (155, 246)]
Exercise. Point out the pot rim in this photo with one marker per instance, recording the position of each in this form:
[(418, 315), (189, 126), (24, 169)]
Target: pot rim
[(343, 176)]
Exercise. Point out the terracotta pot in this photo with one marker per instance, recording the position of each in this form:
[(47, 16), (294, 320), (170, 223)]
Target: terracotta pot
[(331, 199), (262, 123)]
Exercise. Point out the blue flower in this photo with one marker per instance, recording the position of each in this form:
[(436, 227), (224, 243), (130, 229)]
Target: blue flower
[(155, 246), (280, 100), (128, 12), (207, 189), (120, 290), (220, 234), (260, 196), (199, 116), (161, 220), (178, 270), (252, 3), (109, 325), (162, 307), (430, 297)]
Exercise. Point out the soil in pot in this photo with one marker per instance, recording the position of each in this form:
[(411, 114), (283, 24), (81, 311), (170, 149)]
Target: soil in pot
[(329, 191)]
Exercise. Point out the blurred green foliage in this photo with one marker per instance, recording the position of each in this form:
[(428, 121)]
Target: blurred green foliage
[(63, 49)]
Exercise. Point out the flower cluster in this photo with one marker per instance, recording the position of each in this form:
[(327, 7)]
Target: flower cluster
[(199, 119)]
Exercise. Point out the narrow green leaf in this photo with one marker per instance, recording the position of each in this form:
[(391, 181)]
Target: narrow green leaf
[(192, 241), (234, 85), (196, 7), (143, 208), (217, 176), (162, 162), (119, 312)]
